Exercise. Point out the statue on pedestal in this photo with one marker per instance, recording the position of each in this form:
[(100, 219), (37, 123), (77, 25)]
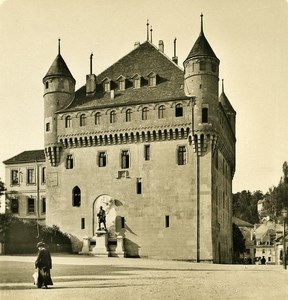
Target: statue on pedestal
[(101, 218)]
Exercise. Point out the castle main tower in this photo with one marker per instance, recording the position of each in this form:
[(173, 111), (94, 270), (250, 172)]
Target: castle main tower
[(210, 145), (59, 90), (201, 71)]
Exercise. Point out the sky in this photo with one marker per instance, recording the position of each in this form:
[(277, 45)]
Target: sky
[(250, 37)]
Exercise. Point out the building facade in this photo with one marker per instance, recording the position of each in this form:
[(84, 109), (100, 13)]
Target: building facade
[(151, 143), (25, 181)]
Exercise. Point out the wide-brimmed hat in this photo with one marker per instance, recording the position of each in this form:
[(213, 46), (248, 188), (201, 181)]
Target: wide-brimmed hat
[(40, 244)]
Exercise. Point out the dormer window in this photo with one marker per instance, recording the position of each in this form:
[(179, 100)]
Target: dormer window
[(152, 79), (136, 81), (107, 84), (121, 83)]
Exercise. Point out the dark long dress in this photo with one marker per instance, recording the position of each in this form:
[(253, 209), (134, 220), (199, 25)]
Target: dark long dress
[(44, 264)]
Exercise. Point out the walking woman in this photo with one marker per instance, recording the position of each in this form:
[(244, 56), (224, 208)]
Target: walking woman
[(44, 264)]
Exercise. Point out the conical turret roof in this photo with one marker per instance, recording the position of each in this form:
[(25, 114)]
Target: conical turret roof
[(59, 68), (225, 101), (201, 46)]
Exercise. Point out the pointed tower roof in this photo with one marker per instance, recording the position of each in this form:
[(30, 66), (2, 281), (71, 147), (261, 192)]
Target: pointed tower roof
[(225, 101), (201, 46), (59, 67)]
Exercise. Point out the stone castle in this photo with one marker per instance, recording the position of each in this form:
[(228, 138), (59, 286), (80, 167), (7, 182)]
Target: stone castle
[(151, 143)]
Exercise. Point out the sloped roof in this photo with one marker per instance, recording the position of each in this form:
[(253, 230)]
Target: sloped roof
[(226, 103), (59, 68), (267, 226), (26, 156), (201, 48), (241, 223), (142, 60)]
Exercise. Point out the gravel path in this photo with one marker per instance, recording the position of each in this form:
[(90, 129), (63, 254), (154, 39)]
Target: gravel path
[(82, 277)]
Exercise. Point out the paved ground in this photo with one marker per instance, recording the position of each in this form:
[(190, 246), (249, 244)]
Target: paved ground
[(83, 277)]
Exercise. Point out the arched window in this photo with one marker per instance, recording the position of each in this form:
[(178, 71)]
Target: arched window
[(128, 115), (82, 120), (145, 113), (112, 116), (179, 110), (161, 110), (204, 115), (76, 196), (97, 118), (68, 122)]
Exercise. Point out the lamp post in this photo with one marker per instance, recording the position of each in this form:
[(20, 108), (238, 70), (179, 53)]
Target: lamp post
[(284, 215)]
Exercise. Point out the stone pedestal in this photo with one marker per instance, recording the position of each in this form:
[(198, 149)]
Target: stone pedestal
[(101, 239), (119, 251), (86, 244)]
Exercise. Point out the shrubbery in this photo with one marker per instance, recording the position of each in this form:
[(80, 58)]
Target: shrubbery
[(21, 236)]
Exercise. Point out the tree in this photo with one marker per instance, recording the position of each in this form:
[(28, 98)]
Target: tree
[(245, 205), (2, 188), (277, 197)]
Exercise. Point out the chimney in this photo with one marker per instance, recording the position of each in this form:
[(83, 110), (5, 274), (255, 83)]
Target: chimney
[(90, 80), (175, 57), (136, 45), (161, 46)]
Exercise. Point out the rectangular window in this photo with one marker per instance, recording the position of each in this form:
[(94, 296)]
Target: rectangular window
[(47, 127), (139, 186), (82, 223), (122, 85), (14, 177), (181, 155), (43, 175), (122, 222), (202, 66), (43, 210), (204, 115), (125, 159), (147, 152), (69, 161), (31, 176), (14, 206), (102, 159), (31, 206), (107, 86), (136, 83), (152, 81), (167, 221)]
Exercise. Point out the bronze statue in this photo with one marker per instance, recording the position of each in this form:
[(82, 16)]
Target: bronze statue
[(101, 218)]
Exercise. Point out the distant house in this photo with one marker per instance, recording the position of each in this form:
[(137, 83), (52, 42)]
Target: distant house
[(247, 230), (25, 180)]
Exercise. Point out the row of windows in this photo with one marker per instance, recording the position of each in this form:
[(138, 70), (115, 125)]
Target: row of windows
[(30, 176), (102, 157), (123, 83), (128, 115), (31, 209), (122, 222), (205, 66)]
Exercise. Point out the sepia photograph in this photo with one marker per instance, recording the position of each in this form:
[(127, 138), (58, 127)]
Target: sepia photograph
[(144, 149)]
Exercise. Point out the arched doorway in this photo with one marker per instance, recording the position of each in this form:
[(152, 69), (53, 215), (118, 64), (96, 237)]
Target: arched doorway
[(108, 204)]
